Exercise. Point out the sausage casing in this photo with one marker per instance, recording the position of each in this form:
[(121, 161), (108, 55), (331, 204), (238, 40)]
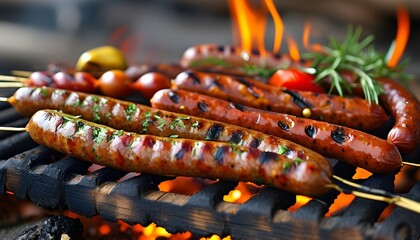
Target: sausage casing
[(352, 112), (352, 146), (405, 108), (172, 156), (143, 119)]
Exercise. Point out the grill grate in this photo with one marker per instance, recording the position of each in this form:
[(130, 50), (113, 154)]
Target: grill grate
[(59, 182)]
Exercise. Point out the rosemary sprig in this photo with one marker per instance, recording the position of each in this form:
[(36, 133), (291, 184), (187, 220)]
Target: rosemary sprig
[(358, 56)]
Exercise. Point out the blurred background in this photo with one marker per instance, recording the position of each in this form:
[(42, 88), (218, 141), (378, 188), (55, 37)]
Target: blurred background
[(35, 33)]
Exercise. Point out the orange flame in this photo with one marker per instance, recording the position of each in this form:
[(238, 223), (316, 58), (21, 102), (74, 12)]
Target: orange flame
[(246, 18), (403, 31), (293, 49), (278, 23), (306, 33)]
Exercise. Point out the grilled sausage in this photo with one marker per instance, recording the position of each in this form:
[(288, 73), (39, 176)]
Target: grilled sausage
[(352, 112), (171, 156), (143, 119), (352, 146), (209, 55), (405, 108)]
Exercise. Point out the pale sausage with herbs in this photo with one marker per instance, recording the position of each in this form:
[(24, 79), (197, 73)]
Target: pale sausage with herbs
[(173, 156)]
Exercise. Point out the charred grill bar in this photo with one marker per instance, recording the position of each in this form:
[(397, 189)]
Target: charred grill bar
[(57, 182)]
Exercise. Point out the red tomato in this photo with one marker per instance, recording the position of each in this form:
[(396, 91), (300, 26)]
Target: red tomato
[(150, 83), (295, 80), (114, 83)]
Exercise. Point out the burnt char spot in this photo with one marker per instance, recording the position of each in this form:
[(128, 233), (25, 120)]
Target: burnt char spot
[(267, 157), (236, 137), (339, 135), (283, 126), (216, 83), (277, 55), (214, 132), (255, 143), (202, 106), (221, 48), (174, 97), (310, 130), (255, 52), (244, 82), (298, 99), (248, 86), (193, 77), (220, 154), (238, 106), (179, 155)]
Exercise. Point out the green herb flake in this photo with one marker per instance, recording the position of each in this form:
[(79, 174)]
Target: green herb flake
[(130, 110), (115, 134), (209, 61), (178, 122), (44, 92), (195, 124), (286, 166), (281, 149), (160, 122), (298, 160), (174, 136), (98, 134)]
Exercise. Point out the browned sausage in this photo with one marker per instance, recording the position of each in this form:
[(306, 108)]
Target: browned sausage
[(352, 146), (143, 119), (211, 55), (352, 112), (405, 108), (171, 156)]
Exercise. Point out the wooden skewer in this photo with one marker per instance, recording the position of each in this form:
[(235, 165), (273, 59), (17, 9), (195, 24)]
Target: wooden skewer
[(11, 84), (378, 195), (411, 164), (366, 192), (12, 78), (21, 73)]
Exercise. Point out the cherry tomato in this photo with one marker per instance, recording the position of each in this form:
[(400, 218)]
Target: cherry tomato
[(150, 83), (80, 81), (295, 80), (114, 83), (40, 79)]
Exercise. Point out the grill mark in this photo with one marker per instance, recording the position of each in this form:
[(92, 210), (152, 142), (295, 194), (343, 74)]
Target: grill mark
[(216, 83), (283, 126), (310, 130), (267, 157), (255, 143), (238, 106), (202, 106), (236, 137), (221, 48), (339, 135), (248, 86), (220, 154), (180, 154), (193, 77), (174, 97), (214, 132), (298, 99)]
